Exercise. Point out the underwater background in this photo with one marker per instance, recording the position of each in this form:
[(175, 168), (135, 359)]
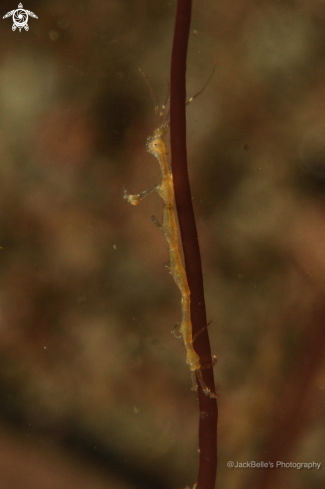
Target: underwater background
[(94, 389)]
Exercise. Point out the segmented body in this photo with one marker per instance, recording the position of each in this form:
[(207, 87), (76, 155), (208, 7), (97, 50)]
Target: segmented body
[(165, 189)]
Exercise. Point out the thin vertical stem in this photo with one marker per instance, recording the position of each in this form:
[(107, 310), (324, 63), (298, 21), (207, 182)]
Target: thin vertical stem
[(208, 406)]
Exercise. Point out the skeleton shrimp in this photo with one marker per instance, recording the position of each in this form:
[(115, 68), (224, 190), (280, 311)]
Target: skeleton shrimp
[(157, 147)]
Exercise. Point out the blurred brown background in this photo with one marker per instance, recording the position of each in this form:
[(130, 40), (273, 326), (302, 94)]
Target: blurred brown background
[(94, 390)]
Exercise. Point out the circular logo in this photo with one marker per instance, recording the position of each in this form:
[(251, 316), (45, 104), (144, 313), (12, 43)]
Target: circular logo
[(20, 18)]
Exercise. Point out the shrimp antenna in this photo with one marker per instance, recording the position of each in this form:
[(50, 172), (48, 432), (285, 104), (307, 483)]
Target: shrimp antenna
[(163, 114), (189, 100), (153, 96), (203, 88)]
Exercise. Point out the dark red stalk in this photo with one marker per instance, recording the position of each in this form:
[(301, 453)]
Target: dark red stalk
[(208, 406)]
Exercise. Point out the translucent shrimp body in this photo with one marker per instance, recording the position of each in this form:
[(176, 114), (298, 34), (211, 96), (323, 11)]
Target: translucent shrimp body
[(157, 147), (165, 189)]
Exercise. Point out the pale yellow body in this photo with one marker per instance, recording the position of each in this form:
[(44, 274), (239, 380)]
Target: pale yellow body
[(165, 189), (157, 147)]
